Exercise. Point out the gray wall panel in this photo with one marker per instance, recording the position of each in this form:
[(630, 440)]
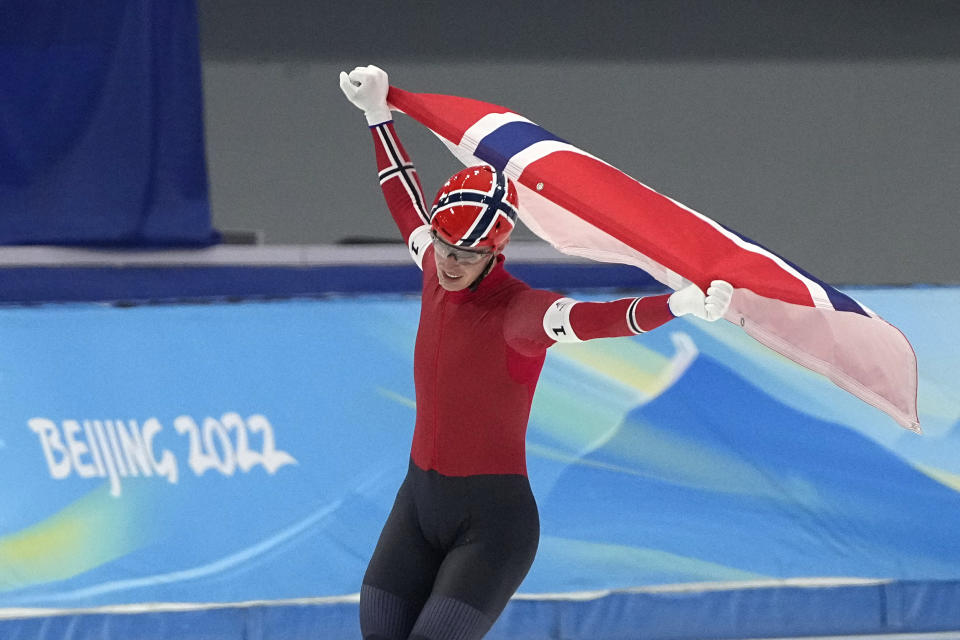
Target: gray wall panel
[(580, 29), (849, 168)]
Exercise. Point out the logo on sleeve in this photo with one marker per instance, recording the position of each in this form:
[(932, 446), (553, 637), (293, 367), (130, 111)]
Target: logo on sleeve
[(560, 305), (556, 321)]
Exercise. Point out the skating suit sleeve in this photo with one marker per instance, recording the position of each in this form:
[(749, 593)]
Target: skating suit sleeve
[(537, 319), (402, 191)]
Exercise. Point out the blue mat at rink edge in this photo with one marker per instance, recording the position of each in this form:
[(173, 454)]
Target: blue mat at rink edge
[(223, 470)]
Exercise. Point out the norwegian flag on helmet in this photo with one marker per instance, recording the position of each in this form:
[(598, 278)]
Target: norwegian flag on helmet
[(477, 207), (586, 207)]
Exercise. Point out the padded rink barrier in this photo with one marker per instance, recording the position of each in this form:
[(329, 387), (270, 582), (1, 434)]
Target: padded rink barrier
[(691, 614), (164, 464)]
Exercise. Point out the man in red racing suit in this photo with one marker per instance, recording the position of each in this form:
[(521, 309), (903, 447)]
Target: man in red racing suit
[(464, 529)]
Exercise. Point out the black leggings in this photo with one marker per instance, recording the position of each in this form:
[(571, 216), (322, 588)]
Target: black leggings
[(453, 551)]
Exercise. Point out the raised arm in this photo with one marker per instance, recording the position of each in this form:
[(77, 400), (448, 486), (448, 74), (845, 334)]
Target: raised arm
[(366, 87), (538, 319)]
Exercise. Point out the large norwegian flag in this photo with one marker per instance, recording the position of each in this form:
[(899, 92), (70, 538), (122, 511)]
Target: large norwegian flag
[(586, 207)]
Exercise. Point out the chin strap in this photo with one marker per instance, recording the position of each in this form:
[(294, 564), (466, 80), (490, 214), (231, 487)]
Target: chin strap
[(483, 274)]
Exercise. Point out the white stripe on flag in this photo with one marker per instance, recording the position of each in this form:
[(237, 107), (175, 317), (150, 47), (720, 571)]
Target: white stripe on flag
[(817, 293), (537, 151), (465, 157), (485, 126)]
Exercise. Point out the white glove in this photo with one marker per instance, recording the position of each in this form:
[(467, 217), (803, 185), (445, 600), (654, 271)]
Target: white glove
[(366, 87), (710, 307)]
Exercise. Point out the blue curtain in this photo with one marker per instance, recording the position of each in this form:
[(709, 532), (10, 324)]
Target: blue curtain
[(101, 124)]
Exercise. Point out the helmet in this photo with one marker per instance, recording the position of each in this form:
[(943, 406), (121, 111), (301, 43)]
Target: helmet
[(477, 207)]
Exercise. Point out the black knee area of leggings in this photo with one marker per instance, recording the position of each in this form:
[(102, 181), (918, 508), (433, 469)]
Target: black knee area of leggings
[(385, 616), (450, 619)]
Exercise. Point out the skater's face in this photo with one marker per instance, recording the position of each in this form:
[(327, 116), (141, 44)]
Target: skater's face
[(458, 268)]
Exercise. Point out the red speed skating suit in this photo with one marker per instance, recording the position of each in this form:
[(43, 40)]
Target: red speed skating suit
[(479, 352)]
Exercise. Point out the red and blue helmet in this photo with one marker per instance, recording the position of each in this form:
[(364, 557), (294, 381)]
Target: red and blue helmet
[(477, 207)]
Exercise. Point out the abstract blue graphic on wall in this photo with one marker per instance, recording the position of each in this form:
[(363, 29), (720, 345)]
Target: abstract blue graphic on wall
[(252, 451)]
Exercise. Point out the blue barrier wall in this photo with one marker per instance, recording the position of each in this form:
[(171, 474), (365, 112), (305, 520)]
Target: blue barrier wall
[(691, 483)]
